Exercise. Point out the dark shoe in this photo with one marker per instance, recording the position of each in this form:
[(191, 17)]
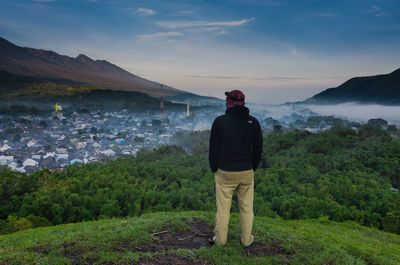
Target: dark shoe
[(211, 241)]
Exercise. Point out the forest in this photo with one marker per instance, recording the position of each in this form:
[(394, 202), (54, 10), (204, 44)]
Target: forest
[(340, 174)]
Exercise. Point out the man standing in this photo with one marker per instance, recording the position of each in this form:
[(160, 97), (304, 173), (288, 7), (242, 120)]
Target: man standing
[(234, 155)]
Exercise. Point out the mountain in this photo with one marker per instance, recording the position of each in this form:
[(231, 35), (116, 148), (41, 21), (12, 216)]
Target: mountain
[(378, 89), (48, 64), (181, 238)]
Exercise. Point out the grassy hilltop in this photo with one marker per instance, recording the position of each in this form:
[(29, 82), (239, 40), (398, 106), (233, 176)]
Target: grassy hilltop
[(130, 241)]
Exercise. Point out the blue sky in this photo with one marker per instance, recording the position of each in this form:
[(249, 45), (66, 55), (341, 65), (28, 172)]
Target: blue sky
[(274, 50)]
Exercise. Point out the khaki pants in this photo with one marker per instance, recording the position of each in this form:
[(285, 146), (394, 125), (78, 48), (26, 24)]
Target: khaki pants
[(226, 182)]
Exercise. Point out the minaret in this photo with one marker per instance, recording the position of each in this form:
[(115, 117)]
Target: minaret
[(187, 109), (162, 99)]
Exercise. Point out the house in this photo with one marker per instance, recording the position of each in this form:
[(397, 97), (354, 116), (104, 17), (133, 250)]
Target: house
[(37, 157), (5, 148), (120, 141), (75, 161), (5, 160), (13, 165), (96, 145), (50, 154), (62, 156), (30, 162), (108, 152), (80, 145), (61, 150), (31, 143)]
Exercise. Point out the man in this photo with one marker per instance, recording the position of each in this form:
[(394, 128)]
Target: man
[(234, 155)]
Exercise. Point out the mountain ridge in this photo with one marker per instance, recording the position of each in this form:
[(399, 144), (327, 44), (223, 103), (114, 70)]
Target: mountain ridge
[(49, 64), (376, 89)]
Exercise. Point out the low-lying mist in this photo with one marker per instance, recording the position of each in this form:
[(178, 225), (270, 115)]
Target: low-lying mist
[(358, 112), (349, 111)]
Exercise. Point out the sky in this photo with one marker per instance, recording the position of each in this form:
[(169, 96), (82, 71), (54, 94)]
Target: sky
[(273, 50)]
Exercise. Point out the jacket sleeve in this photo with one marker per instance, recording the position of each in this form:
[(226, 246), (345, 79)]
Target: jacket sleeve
[(213, 148), (257, 145)]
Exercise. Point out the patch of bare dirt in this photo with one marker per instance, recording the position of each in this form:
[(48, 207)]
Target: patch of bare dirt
[(76, 254), (196, 237), (41, 249), (258, 249), (172, 260)]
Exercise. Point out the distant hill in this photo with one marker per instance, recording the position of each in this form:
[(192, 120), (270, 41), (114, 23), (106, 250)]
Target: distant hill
[(48, 64), (378, 89)]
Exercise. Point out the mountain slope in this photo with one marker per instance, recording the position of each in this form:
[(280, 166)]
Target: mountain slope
[(381, 89), (159, 238), (48, 64)]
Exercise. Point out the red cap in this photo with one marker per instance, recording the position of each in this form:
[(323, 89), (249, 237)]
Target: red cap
[(234, 98)]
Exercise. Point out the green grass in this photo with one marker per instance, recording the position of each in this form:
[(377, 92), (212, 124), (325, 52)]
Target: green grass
[(304, 242)]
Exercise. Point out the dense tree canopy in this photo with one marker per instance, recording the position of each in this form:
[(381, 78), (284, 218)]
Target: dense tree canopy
[(338, 174)]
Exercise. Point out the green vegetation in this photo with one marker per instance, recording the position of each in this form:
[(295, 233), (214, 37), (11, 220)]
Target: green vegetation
[(102, 242), (48, 89), (338, 174)]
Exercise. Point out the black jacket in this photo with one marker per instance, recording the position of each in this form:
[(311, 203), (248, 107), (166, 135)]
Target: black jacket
[(236, 141)]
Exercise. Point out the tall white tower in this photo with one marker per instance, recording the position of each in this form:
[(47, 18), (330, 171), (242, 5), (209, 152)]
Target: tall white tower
[(162, 99), (187, 109)]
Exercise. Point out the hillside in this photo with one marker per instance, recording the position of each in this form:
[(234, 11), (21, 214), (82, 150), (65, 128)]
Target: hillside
[(180, 238), (43, 92), (48, 64), (378, 89)]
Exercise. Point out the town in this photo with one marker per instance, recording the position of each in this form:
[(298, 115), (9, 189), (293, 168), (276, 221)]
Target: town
[(67, 137), (53, 141)]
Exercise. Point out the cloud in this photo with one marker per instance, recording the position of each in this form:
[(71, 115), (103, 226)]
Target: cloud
[(160, 36), (326, 14), (293, 50), (376, 11), (221, 32), (145, 11), (271, 78), (202, 23)]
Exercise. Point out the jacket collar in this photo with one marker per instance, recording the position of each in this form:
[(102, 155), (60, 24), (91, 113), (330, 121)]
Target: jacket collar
[(238, 111)]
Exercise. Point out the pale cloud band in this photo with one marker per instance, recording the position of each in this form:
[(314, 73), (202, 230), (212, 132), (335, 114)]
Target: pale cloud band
[(145, 11), (271, 78), (159, 36), (202, 23)]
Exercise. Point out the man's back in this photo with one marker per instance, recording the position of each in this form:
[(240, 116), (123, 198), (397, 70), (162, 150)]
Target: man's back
[(236, 141)]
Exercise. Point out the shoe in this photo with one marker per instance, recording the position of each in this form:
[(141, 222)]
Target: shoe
[(211, 241), (251, 244)]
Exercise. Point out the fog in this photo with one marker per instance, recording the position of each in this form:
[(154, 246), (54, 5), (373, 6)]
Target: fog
[(350, 111), (358, 112)]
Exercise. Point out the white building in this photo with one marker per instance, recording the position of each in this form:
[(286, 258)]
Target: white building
[(30, 162), (108, 152), (4, 148), (5, 160)]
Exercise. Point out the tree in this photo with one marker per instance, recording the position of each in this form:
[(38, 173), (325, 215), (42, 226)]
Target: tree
[(391, 222)]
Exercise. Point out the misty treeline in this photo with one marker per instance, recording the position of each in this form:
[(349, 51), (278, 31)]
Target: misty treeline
[(340, 174)]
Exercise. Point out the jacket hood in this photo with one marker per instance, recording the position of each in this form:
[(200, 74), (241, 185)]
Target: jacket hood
[(238, 111)]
